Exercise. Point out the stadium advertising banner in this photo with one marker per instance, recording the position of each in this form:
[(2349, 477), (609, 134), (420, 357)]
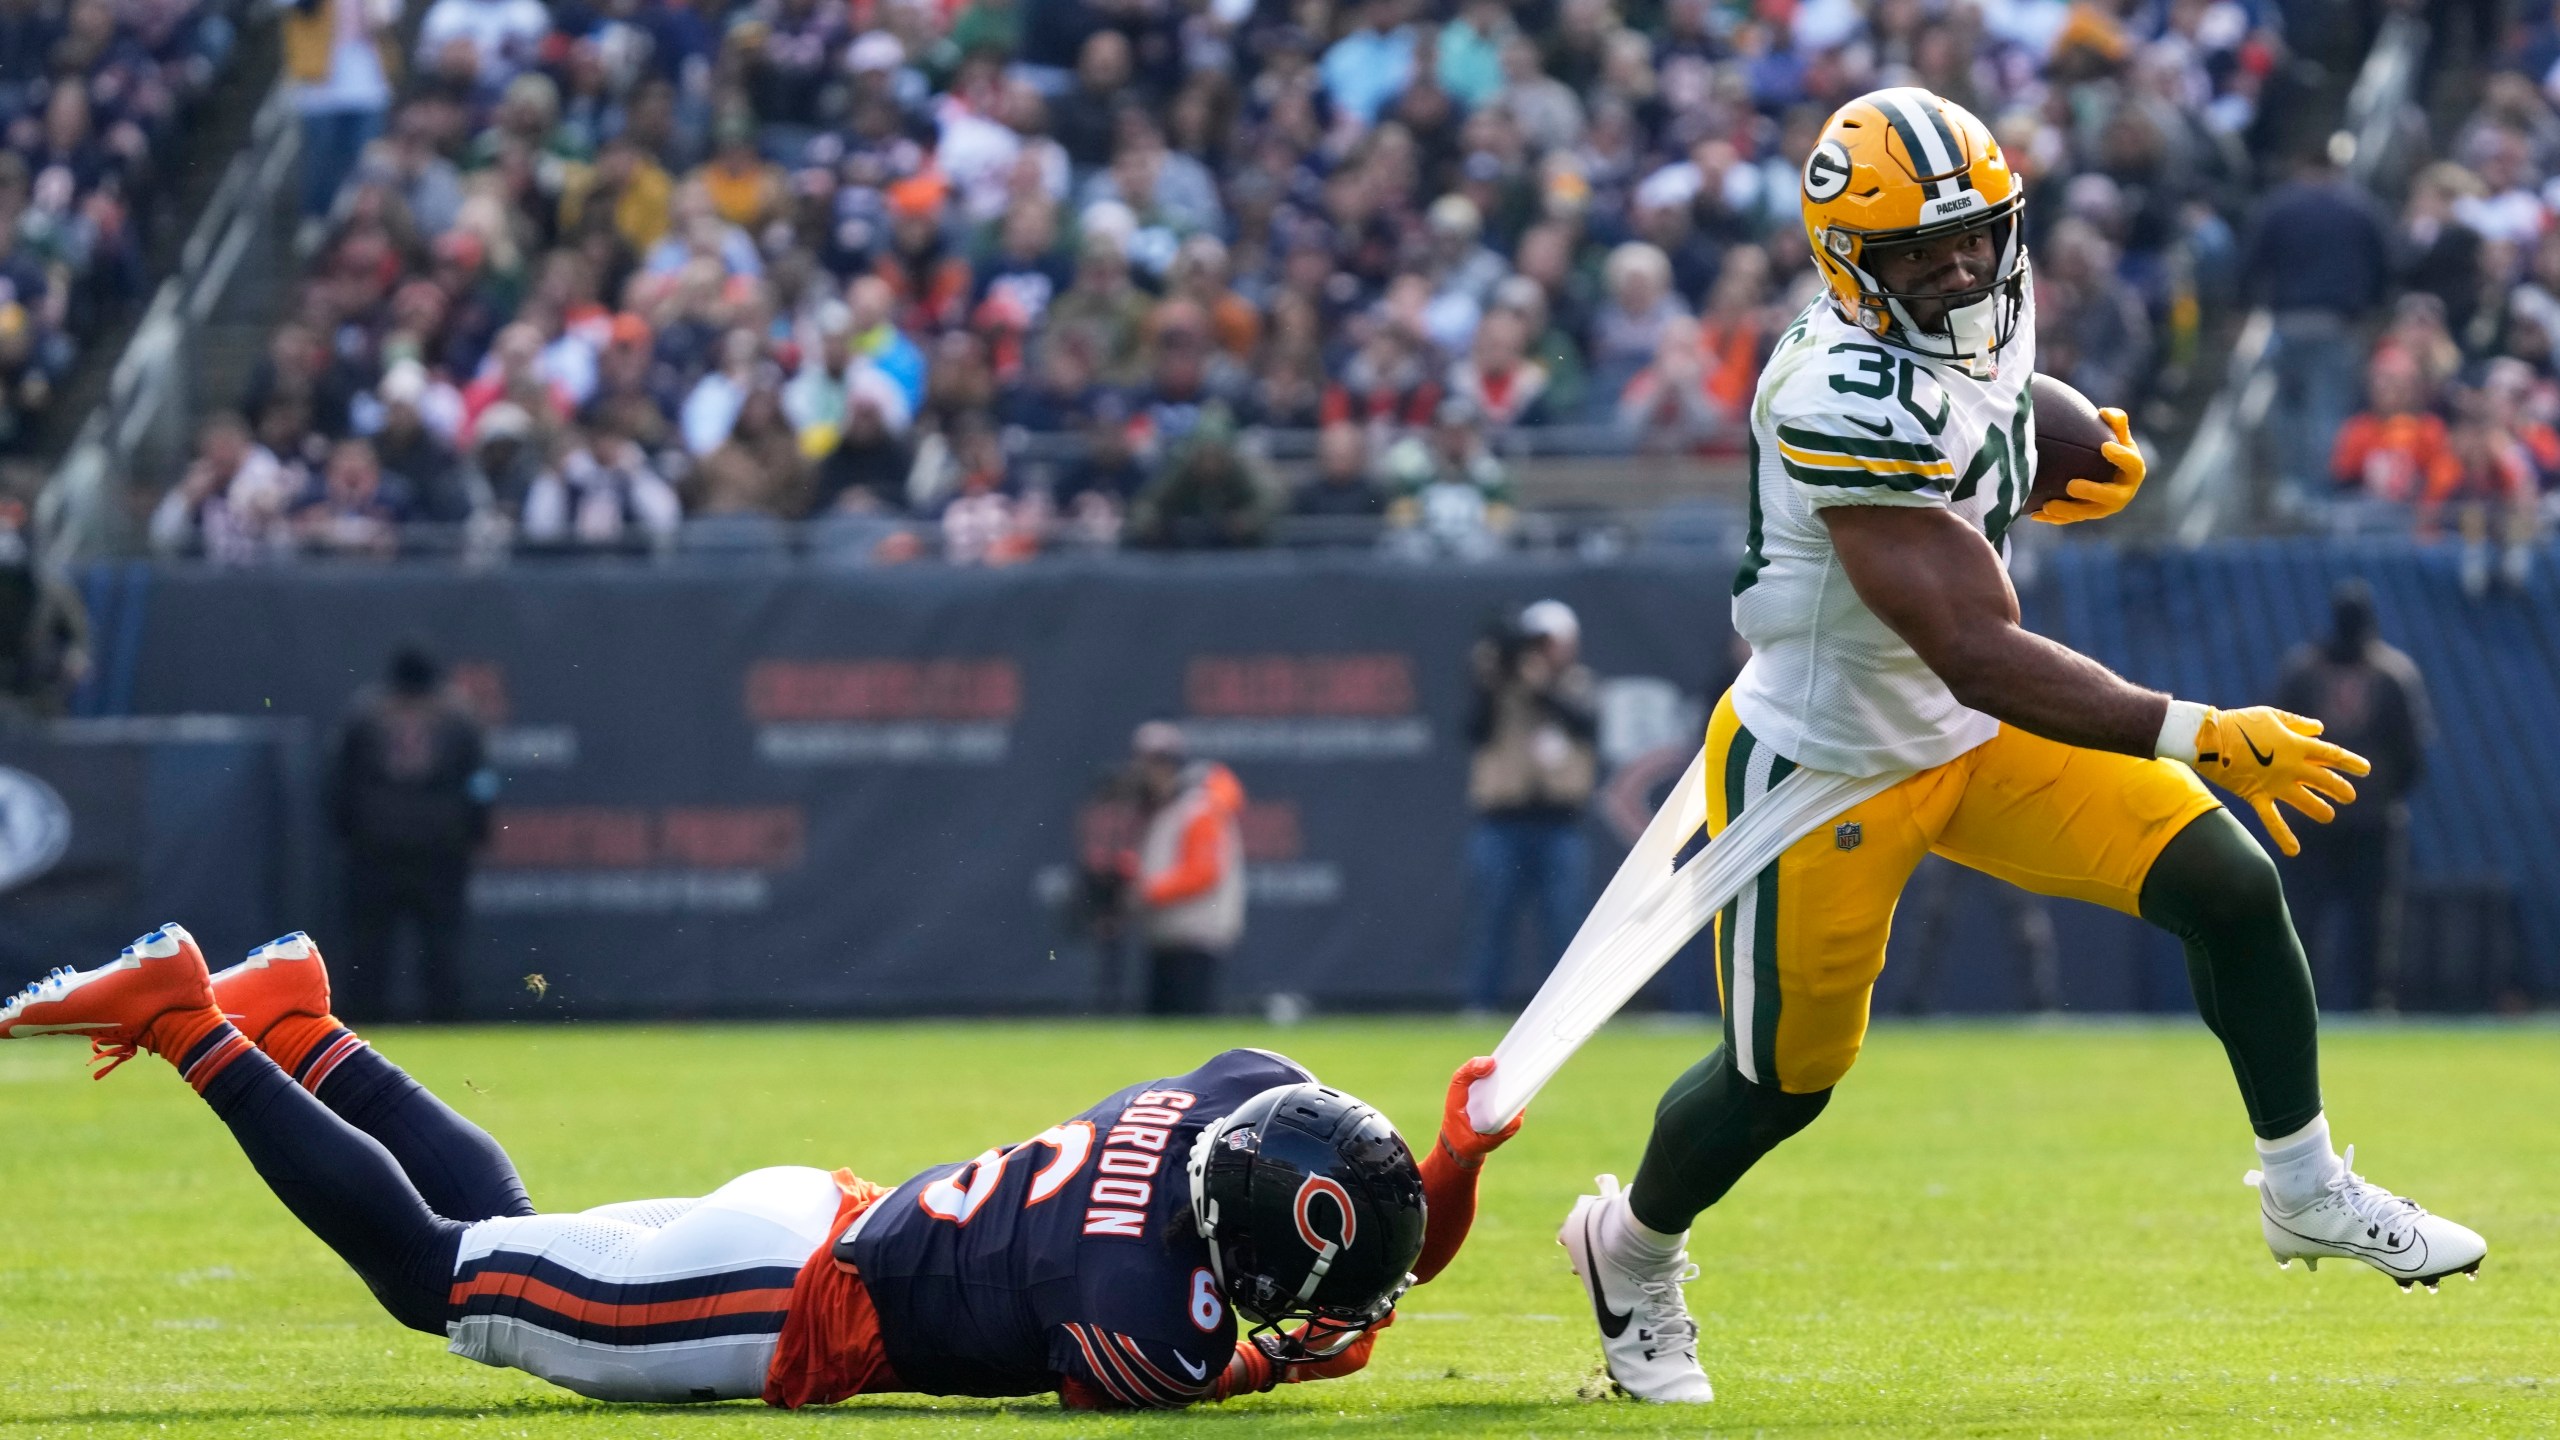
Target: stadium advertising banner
[(806, 791), (848, 793)]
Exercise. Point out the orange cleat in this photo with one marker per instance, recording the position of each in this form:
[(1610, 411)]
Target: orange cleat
[(280, 979), (114, 1006)]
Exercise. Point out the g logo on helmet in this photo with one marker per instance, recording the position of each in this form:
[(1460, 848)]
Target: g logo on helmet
[(1826, 171), (35, 828), (1347, 1225)]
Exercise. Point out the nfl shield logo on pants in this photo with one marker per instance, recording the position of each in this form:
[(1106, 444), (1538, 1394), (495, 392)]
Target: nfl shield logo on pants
[(1849, 835)]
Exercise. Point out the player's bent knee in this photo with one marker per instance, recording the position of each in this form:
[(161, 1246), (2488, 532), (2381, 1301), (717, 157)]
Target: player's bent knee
[(417, 1289), (2211, 877), (1780, 1112)]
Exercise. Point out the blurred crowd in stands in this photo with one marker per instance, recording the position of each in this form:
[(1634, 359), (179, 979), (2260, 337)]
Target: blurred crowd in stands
[(984, 278), (93, 94), (2415, 355)]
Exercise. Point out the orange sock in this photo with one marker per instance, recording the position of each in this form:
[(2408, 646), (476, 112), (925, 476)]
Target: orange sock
[(291, 1040), (201, 1043), (309, 1047)]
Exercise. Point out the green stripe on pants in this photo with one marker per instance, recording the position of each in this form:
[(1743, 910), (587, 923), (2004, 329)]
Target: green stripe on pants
[(1737, 766), (1764, 955)]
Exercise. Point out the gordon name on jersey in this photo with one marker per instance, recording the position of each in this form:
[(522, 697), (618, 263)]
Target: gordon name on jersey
[(1070, 1257), (1843, 419)]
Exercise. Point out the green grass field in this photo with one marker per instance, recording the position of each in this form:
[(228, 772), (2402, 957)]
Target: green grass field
[(1994, 1231)]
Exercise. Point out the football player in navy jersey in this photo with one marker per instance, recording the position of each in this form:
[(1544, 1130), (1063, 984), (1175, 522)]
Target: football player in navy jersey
[(1190, 1238)]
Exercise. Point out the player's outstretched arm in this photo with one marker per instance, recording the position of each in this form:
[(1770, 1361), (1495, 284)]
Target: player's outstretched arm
[(1449, 1171), (1934, 581)]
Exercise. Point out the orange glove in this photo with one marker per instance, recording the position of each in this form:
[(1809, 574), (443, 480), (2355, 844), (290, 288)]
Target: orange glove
[(2098, 499), (1457, 1134), (2264, 755)]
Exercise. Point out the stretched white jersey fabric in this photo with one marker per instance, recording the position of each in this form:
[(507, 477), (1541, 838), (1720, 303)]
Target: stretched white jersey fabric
[(1842, 419)]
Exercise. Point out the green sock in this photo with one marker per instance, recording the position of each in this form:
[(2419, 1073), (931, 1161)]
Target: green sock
[(1711, 1126), (2214, 889)]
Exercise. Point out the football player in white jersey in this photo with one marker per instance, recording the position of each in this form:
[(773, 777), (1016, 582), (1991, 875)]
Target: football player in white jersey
[(1892, 449)]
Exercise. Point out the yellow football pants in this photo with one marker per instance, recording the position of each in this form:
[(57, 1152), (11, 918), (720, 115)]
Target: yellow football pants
[(1798, 952)]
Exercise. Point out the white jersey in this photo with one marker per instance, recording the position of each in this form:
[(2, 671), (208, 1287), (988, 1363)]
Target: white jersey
[(1842, 419)]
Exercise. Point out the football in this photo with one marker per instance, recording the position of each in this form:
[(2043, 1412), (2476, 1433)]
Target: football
[(2068, 434)]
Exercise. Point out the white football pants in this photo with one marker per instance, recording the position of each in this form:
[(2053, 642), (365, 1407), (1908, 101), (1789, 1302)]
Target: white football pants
[(650, 1300)]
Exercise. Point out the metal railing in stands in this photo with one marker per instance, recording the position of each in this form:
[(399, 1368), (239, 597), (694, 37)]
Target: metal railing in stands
[(2212, 484), (1706, 527), (2378, 117), (140, 429), (1586, 489)]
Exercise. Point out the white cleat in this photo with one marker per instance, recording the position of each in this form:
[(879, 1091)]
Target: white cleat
[(2354, 1219), (1646, 1333)]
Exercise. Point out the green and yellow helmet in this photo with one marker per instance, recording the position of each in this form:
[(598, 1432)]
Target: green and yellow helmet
[(1900, 165)]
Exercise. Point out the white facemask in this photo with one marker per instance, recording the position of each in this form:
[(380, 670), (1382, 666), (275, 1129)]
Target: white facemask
[(1973, 329)]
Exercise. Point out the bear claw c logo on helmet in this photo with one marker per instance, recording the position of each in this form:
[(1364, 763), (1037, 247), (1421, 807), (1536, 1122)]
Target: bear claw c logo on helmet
[(1826, 171), (1325, 1249), (1331, 1189)]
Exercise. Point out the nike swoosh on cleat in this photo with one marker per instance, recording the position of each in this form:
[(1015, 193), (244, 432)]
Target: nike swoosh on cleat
[(83, 1027), (2262, 758), (2395, 1261), (1612, 1323)]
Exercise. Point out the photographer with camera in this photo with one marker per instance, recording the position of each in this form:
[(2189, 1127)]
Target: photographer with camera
[(1534, 726)]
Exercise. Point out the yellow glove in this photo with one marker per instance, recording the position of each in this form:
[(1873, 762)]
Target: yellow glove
[(2264, 755), (2098, 499)]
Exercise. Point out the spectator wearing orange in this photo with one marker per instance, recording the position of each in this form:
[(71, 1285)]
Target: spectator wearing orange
[(929, 277), (2492, 488), (1188, 872), (626, 401), (1199, 275), (1699, 385), (2396, 450)]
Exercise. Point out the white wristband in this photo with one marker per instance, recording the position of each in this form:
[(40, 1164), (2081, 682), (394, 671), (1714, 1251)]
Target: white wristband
[(2178, 731)]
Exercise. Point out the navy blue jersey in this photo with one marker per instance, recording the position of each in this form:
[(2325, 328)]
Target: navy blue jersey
[(1070, 1255)]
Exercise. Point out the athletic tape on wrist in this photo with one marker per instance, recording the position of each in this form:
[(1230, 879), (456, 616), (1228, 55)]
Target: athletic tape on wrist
[(2178, 730)]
